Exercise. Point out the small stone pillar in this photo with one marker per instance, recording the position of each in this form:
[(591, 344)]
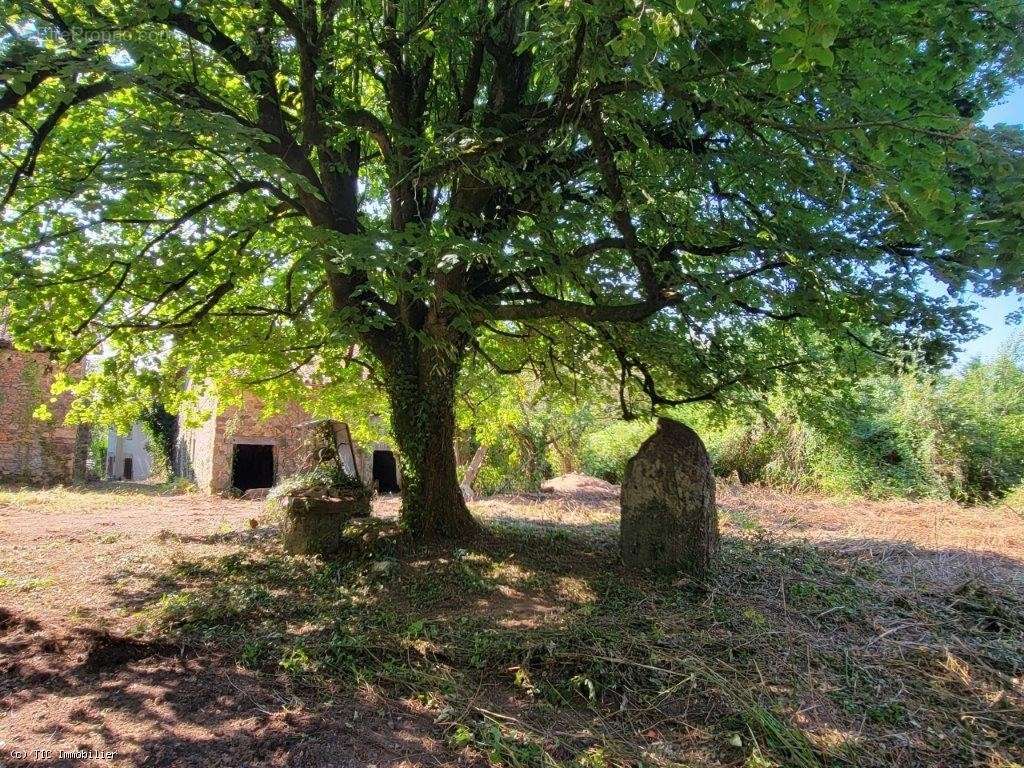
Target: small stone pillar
[(316, 525), (322, 442), (320, 501), (669, 519)]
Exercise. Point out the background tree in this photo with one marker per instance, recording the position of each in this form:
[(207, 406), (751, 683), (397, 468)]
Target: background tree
[(679, 194)]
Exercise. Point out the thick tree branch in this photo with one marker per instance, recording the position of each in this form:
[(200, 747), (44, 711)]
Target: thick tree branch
[(538, 306), (41, 134)]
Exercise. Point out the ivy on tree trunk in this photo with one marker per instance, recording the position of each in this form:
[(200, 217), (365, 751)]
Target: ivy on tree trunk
[(420, 381)]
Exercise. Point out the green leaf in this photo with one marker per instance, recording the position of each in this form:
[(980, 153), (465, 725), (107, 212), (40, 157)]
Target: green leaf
[(821, 55), (787, 81)]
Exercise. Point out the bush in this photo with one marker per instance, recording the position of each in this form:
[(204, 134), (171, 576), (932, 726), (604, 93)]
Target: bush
[(161, 427), (983, 411), (515, 463), (957, 436), (1015, 499), (98, 451), (746, 449), (883, 440), (605, 452), (492, 479)]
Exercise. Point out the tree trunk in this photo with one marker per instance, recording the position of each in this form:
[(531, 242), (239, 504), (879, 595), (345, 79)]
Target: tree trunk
[(472, 471), (421, 390)]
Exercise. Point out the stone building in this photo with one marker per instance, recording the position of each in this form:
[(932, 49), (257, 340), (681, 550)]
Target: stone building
[(237, 448), (34, 451)]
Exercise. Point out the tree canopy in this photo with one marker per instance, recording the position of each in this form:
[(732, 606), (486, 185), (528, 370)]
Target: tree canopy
[(693, 198)]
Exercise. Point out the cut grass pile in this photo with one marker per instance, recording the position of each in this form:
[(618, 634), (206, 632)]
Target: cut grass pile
[(534, 648)]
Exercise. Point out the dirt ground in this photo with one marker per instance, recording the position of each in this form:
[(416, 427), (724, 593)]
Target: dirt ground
[(82, 670)]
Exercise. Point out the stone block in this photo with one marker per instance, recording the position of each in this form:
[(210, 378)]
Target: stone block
[(315, 525), (669, 519)]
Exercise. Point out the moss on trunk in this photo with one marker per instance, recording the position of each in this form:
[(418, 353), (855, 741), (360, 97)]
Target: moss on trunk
[(421, 389)]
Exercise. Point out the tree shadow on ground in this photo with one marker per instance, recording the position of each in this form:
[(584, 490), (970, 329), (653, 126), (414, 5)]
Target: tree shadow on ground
[(161, 704), (535, 647)]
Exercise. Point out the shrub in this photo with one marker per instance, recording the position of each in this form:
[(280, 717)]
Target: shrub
[(958, 436), (161, 427), (324, 479), (98, 451), (515, 462), (983, 411), (1015, 499), (605, 452), (748, 449)]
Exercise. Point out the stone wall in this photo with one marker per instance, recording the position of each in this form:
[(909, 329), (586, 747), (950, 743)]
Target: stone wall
[(193, 453), (33, 451), (246, 424), (204, 453)]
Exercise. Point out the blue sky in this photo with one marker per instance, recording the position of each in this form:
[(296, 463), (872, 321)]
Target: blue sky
[(993, 312)]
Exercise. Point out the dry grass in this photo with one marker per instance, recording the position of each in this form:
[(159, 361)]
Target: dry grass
[(932, 539), (835, 633)]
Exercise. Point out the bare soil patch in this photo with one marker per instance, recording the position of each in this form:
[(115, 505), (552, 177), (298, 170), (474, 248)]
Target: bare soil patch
[(172, 631)]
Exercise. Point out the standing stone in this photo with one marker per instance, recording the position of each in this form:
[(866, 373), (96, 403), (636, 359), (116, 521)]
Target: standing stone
[(669, 519), (319, 443)]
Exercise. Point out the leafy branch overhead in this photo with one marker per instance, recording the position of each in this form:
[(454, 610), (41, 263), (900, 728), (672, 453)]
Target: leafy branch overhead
[(696, 198)]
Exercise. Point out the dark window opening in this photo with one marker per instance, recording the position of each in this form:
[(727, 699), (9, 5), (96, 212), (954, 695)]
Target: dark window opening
[(128, 469), (252, 466), (385, 471)]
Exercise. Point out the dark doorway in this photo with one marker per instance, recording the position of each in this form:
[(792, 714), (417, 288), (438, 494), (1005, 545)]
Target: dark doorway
[(385, 471), (252, 466), (128, 469)]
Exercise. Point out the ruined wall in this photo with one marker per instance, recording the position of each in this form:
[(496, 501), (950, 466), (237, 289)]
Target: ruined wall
[(193, 452), (34, 451), (246, 424), (204, 454)]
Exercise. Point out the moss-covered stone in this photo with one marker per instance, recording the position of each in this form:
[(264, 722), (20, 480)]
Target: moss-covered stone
[(316, 525), (669, 519)]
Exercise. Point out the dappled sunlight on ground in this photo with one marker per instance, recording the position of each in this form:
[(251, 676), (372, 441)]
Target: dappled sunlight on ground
[(173, 630)]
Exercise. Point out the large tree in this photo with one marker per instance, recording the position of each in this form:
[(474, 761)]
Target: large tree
[(691, 194)]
